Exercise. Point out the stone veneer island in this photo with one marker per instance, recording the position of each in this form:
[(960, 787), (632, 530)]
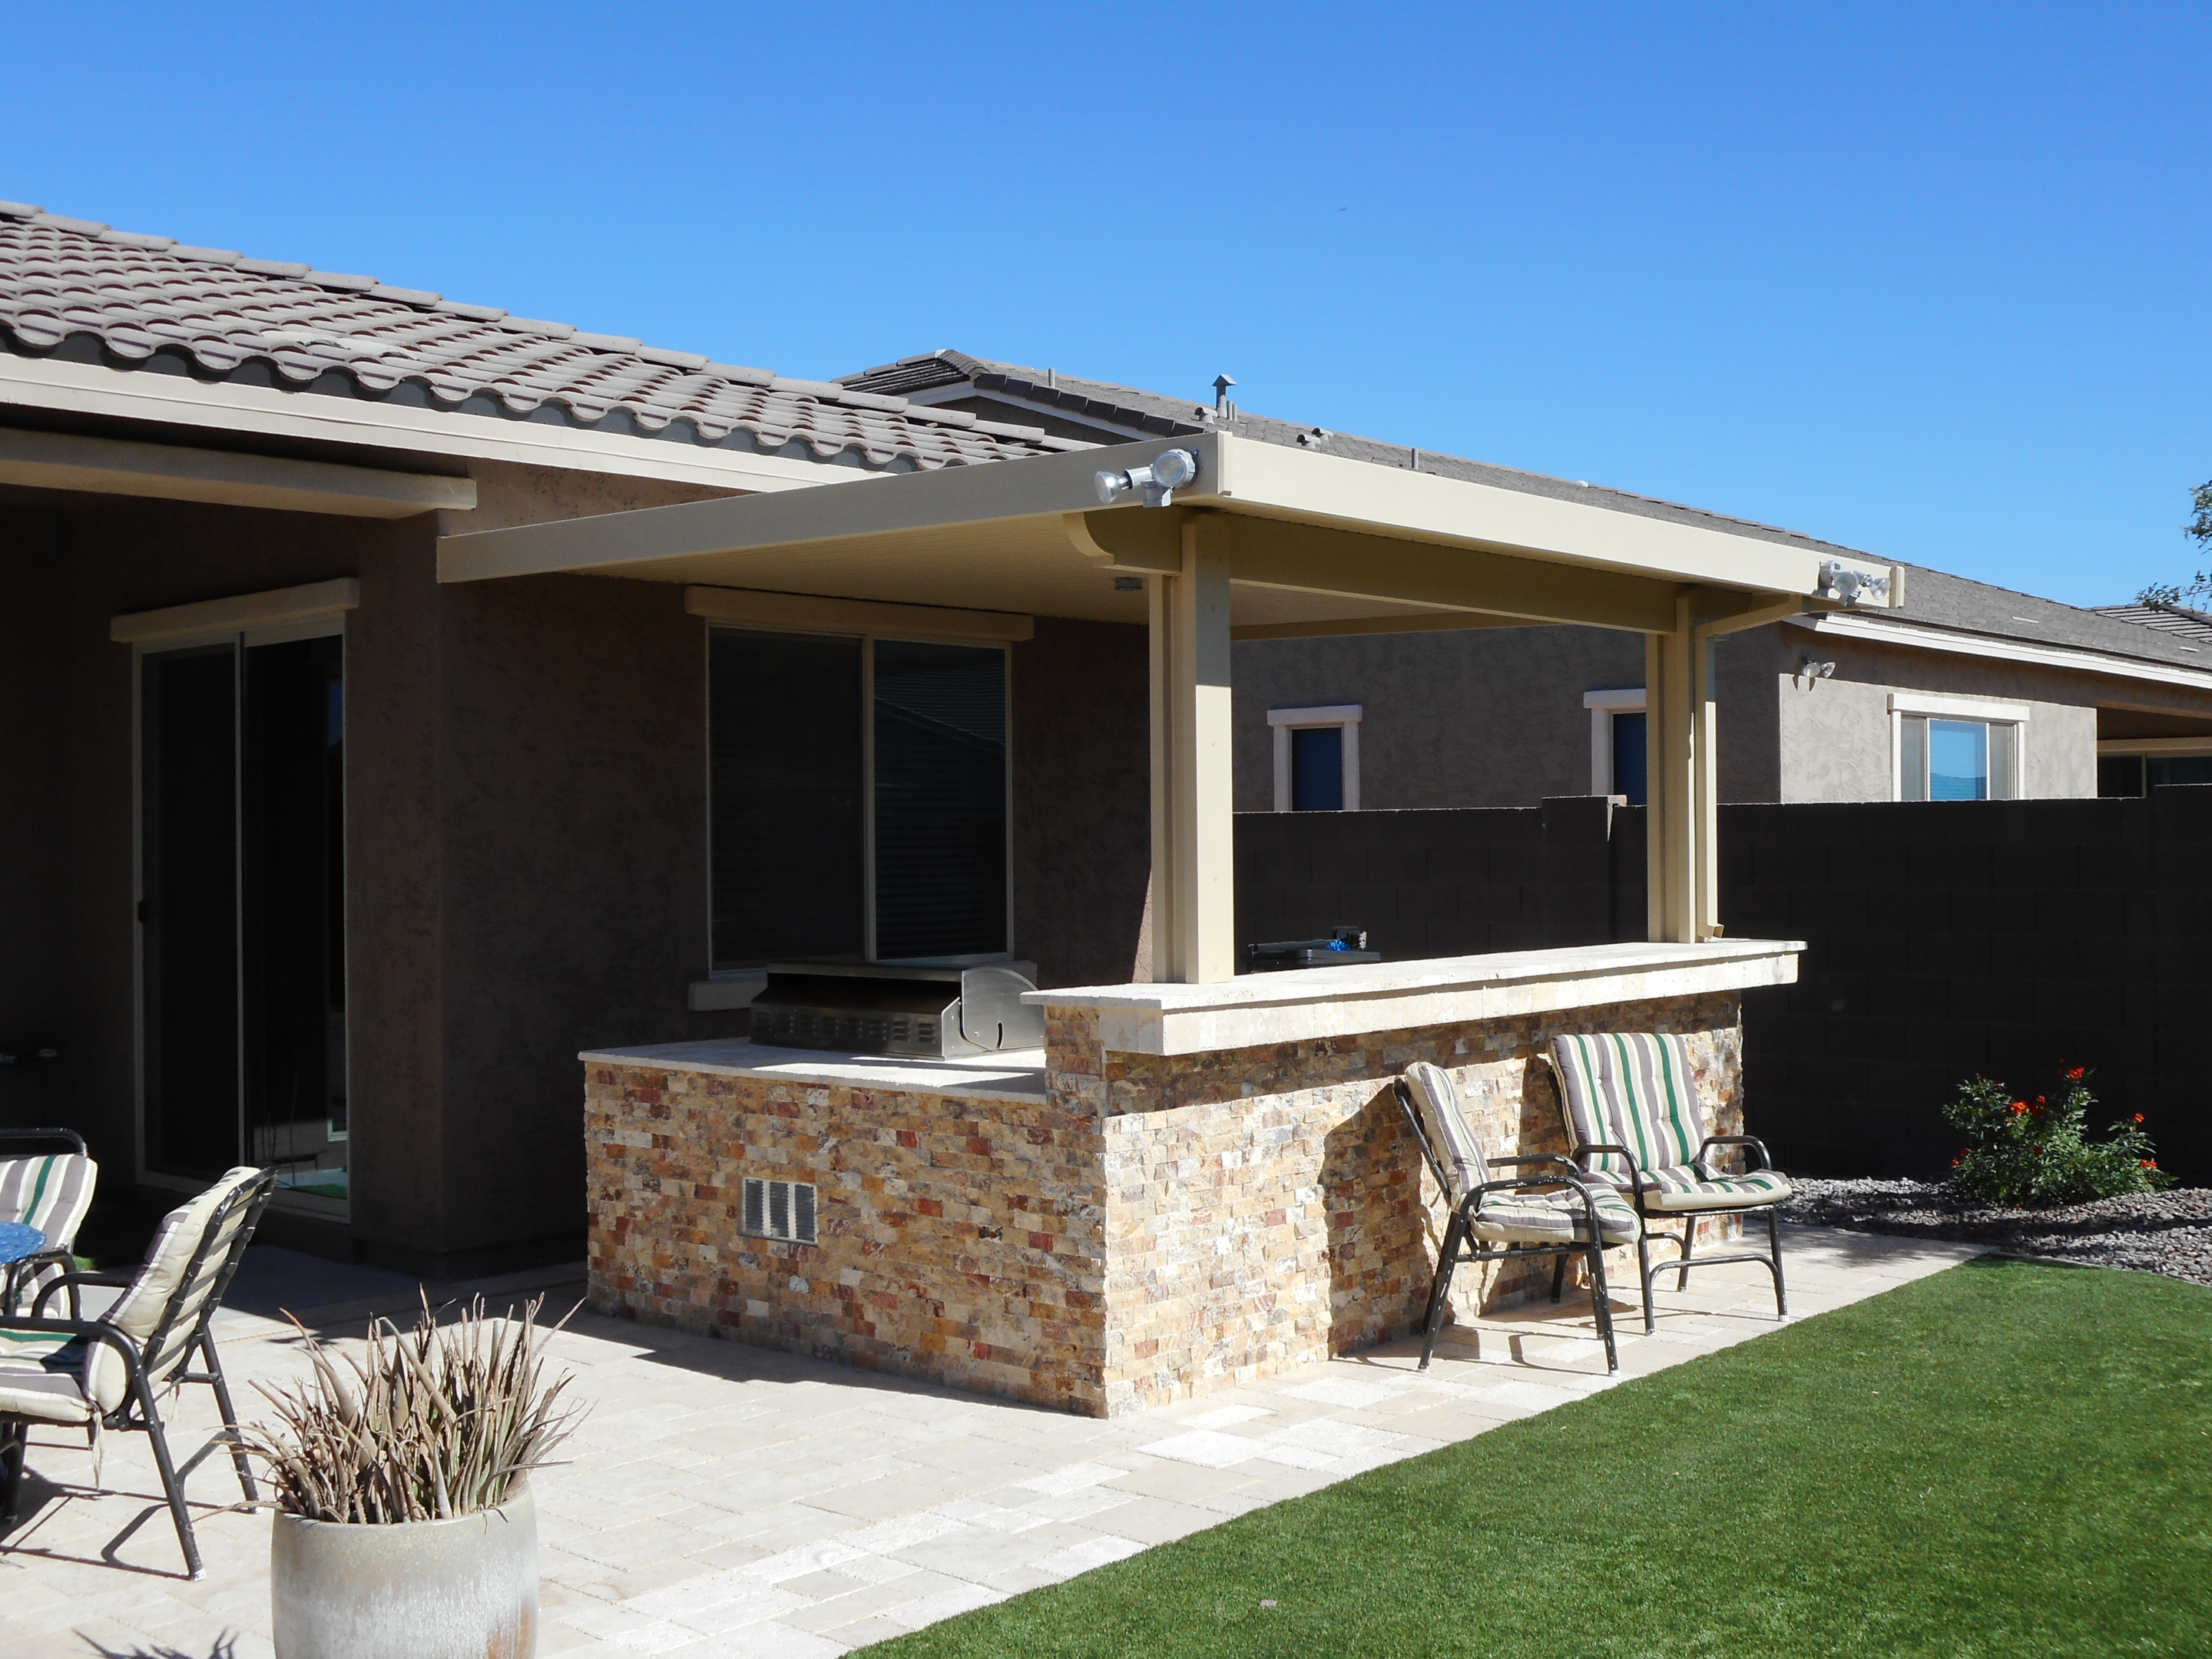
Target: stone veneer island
[(1190, 1186)]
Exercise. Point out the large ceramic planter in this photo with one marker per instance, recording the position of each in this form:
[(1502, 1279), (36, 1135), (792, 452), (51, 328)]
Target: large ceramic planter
[(465, 1588)]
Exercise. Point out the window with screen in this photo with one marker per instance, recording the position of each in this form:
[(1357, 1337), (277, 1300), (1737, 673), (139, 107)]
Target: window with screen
[(857, 799), (1941, 759)]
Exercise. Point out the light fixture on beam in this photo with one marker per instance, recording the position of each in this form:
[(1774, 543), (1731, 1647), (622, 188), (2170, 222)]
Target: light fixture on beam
[(1170, 471)]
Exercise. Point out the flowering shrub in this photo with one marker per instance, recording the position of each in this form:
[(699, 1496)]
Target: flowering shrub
[(2036, 1153)]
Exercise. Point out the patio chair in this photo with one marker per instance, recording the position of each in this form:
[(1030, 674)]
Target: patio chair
[(50, 1191), (1559, 1213), (106, 1372), (1630, 1100)]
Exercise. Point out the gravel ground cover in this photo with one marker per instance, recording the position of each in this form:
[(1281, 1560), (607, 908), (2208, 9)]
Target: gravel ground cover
[(2168, 1232)]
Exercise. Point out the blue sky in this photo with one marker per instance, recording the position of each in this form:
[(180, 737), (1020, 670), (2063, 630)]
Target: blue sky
[(1931, 281)]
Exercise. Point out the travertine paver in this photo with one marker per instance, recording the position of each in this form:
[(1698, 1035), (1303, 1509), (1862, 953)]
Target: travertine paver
[(723, 1499)]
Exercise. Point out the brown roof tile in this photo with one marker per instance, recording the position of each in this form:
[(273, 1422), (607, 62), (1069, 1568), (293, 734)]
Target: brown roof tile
[(75, 287)]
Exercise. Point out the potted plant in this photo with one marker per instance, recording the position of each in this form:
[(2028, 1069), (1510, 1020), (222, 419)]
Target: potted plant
[(404, 1527)]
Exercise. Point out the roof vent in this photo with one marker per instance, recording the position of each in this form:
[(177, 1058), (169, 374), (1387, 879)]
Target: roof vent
[(1222, 409)]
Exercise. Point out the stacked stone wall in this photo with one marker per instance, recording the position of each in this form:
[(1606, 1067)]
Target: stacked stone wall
[(960, 1239), (1266, 1207)]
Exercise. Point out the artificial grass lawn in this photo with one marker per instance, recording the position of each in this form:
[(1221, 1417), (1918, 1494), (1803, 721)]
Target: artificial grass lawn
[(2007, 1458)]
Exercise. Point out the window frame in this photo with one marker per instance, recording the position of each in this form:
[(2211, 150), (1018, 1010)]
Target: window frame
[(1970, 710), (240, 621), (750, 977), (1283, 721), (1604, 705)]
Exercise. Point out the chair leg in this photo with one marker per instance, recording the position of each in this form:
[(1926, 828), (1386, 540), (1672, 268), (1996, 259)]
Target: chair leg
[(14, 1438), (1644, 1271), (1774, 1240), (1559, 1277), (1439, 1289), (170, 1484), (1601, 1305), (237, 1458), (1689, 1238)]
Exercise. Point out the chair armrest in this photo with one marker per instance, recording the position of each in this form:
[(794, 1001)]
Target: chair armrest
[(1765, 1162), (1541, 1157), (114, 1279), (24, 1267), (92, 1330)]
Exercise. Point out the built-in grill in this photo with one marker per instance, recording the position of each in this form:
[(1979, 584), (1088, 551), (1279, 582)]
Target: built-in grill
[(875, 1008)]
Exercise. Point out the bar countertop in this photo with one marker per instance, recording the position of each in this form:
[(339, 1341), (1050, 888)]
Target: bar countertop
[(1017, 1074), (1303, 1004)]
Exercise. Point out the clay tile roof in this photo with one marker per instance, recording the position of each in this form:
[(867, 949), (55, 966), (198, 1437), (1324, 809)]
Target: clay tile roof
[(75, 289)]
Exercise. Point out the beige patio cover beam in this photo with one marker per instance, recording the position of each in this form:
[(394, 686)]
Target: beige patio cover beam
[(116, 466)]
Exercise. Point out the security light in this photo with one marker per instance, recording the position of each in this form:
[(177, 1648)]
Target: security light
[(1840, 581), (1171, 469)]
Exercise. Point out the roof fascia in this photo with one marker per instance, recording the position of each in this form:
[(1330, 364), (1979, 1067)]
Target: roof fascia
[(1236, 476), (175, 400), (1891, 631), (1276, 480), (115, 466)]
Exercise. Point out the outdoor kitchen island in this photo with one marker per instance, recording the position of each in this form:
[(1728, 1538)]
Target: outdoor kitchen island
[(1187, 1186)]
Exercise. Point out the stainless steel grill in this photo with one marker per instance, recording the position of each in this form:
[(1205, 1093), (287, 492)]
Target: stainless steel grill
[(878, 1009)]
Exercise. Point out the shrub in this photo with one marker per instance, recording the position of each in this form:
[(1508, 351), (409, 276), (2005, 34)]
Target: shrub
[(438, 1422), (2035, 1153)]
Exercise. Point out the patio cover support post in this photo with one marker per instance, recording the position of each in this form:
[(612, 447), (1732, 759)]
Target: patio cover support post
[(1679, 822), (1194, 865)]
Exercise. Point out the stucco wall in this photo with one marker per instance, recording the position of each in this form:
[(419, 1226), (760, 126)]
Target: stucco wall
[(1836, 738), (1487, 717), (1082, 777)]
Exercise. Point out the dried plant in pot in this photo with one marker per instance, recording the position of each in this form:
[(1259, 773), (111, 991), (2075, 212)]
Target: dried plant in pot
[(404, 1526)]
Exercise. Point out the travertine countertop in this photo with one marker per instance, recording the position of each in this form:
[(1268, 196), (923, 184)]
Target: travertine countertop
[(1384, 996), (1014, 1074)]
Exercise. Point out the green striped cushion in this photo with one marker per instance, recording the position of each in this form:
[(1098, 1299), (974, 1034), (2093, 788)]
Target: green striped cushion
[(1685, 1189), (1452, 1138), (1552, 1219), (51, 1193), (1633, 1088), (41, 1377)]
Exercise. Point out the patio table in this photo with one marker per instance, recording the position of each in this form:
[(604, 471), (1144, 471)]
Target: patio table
[(17, 1241)]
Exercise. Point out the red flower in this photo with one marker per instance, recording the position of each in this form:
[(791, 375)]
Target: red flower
[(2138, 1117), (2078, 1072), (2020, 1109), (2149, 1163)]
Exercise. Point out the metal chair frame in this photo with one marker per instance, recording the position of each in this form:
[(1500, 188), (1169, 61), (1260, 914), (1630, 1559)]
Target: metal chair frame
[(138, 1410), (1686, 1240), (24, 1268), (1459, 1244)]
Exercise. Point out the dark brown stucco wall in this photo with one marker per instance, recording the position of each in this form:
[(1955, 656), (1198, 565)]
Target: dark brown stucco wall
[(1082, 767), (34, 825), (573, 774)]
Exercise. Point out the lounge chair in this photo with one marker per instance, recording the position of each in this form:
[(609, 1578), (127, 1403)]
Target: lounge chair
[(1630, 1100), (51, 1191), (106, 1372), (1559, 1213)]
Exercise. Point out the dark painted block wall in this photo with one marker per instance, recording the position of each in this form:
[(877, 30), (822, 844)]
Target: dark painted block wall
[(1943, 940)]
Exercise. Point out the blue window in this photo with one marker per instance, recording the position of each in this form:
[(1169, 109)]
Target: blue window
[(1958, 760), (1628, 756), (1317, 768)]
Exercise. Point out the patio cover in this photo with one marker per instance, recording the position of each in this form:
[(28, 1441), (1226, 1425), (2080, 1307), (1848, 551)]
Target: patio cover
[(1267, 542)]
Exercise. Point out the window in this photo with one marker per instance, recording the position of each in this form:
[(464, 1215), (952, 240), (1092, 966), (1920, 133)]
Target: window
[(1617, 738), (2125, 770), (857, 798), (1955, 749), (1316, 758)]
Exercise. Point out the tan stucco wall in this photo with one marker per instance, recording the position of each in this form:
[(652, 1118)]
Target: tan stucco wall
[(1836, 732)]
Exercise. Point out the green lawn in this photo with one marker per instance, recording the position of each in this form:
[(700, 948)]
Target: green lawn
[(2005, 1459)]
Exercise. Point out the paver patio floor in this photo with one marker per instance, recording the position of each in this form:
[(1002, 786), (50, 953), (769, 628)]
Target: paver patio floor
[(722, 1499)]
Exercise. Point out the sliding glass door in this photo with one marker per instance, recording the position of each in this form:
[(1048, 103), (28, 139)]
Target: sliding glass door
[(241, 911)]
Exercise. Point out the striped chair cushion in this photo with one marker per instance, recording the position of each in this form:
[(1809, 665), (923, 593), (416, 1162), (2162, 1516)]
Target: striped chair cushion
[(51, 1192), (1553, 1218), (1632, 1089), (1436, 1097), (1699, 1188), (161, 1281), (42, 1377)]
